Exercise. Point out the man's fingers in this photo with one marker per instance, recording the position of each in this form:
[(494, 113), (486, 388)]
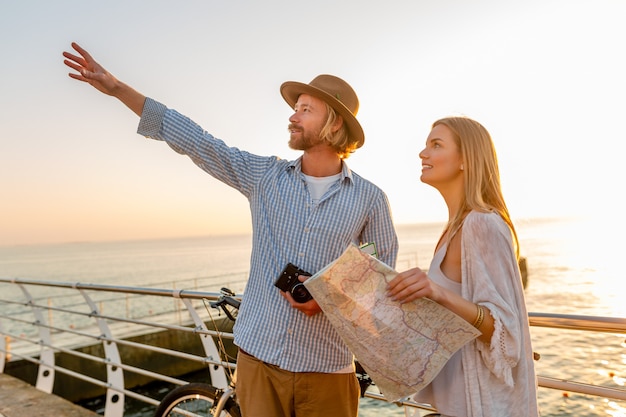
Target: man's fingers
[(72, 65), (77, 77), (81, 51)]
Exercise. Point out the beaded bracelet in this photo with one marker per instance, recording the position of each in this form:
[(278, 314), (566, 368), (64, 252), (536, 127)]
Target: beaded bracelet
[(479, 317)]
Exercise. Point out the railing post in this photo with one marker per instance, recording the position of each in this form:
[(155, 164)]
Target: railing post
[(218, 374), (45, 372), (5, 344), (115, 377)]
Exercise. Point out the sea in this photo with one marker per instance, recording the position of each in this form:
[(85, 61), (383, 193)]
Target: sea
[(572, 269)]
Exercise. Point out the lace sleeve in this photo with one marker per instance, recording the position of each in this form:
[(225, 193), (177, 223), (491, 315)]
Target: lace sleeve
[(491, 277)]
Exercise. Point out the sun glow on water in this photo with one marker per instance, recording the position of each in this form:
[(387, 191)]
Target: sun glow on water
[(573, 260), (596, 255)]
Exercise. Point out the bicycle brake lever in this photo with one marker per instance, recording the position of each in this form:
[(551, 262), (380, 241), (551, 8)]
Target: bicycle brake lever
[(227, 291)]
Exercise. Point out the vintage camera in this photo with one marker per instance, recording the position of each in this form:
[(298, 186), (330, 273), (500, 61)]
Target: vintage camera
[(288, 281)]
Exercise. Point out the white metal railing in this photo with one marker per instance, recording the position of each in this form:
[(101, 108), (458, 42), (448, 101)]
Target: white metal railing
[(41, 319), (26, 331)]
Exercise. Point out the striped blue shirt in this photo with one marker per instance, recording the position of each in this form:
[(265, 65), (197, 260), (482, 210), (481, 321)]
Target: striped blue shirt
[(287, 227)]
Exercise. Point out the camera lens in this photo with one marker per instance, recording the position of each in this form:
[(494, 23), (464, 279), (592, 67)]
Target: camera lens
[(300, 293)]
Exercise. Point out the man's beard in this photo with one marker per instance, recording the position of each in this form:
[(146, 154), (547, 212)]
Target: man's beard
[(301, 139)]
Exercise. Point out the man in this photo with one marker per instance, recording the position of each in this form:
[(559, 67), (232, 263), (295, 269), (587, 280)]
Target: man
[(306, 212)]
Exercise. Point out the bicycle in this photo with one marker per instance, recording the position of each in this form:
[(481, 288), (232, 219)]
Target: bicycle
[(199, 399)]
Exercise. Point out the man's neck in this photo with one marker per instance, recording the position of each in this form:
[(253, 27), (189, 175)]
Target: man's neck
[(321, 162)]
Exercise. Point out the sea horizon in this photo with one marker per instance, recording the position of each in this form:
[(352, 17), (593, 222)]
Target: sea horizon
[(517, 221)]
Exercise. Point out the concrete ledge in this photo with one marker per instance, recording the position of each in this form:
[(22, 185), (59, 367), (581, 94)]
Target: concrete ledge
[(20, 399)]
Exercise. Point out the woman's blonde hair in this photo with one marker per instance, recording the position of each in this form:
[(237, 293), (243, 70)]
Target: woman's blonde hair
[(341, 141), (482, 177)]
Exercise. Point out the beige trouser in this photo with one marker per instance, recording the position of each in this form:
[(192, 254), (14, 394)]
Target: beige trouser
[(264, 390)]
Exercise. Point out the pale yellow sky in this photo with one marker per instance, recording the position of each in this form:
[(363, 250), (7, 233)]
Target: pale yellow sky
[(545, 77)]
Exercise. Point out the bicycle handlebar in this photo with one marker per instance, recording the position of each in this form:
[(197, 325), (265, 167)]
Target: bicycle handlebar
[(226, 299)]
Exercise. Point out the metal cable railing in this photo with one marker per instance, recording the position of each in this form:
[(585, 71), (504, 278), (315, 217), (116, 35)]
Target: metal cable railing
[(114, 344)]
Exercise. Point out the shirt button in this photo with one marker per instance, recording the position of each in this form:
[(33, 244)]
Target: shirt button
[(289, 331), (301, 255)]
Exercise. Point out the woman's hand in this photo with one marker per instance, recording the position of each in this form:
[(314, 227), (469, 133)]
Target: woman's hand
[(411, 285)]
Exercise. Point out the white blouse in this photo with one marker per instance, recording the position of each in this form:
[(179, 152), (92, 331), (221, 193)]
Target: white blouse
[(500, 377)]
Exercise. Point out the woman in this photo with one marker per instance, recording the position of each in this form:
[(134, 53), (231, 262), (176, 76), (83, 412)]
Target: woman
[(474, 273)]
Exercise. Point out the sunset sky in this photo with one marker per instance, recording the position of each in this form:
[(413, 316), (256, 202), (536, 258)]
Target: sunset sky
[(546, 78)]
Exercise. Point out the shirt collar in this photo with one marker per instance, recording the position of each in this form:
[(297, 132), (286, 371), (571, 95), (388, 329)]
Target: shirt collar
[(346, 173)]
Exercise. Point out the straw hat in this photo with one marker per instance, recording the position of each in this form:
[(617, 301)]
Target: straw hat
[(334, 91)]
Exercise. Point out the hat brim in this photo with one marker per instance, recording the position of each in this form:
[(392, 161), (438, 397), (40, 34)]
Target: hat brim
[(291, 90)]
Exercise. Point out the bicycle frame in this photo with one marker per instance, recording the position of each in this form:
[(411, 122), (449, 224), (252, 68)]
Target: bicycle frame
[(222, 402)]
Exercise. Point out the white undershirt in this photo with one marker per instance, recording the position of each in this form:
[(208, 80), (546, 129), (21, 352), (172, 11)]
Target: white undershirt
[(319, 185)]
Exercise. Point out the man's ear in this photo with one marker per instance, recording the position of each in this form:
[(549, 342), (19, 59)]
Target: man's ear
[(337, 123)]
